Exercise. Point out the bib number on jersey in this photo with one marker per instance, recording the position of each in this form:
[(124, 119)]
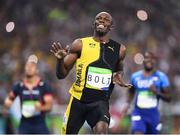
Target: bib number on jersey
[(98, 78), (146, 99), (28, 109)]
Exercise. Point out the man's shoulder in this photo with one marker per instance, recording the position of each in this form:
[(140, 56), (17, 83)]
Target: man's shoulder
[(18, 83), (86, 38), (160, 73), (115, 42), (79, 41)]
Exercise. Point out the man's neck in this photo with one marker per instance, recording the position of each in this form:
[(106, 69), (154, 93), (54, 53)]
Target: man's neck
[(148, 73), (32, 79), (101, 39), (31, 82)]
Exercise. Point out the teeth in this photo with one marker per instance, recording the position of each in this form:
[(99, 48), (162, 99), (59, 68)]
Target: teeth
[(101, 26)]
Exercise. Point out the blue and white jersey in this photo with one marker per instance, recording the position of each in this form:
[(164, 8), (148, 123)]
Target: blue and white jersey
[(29, 98), (144, 98)]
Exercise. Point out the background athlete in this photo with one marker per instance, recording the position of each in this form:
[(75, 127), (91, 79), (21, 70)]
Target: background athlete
[(35, 97), (149, 85), (98, 59)]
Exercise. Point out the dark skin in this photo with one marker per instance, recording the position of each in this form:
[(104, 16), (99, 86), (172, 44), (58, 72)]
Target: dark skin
[(149, 69), (67, 57)]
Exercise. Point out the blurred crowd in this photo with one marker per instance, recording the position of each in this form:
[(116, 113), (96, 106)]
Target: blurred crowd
[(39, 23)]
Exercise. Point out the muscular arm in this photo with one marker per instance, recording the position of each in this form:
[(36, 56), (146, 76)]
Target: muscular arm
[(118, 76), (164, 94), (64, 65), (47, 106), (129, 97), (131, 93), (122, 54)]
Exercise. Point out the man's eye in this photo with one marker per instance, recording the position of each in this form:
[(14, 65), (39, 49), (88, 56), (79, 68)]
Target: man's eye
[(107, 20)]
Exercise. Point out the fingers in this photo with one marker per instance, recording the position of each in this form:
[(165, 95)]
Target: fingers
[(117, 79), (58, 51), (59, 46), (52, 51), (122, 84), (56, 46), (67, 49), (128, 85)]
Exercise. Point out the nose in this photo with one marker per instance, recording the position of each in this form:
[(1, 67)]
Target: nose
[(102, 20)]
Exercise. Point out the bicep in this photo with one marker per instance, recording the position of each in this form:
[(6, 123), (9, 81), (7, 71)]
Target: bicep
[(74, 54), (15, 90), (122, 54), (165, 84), (47, 96)]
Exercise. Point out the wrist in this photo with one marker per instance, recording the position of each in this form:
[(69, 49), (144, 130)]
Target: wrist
[(59, 58), (38, 106)]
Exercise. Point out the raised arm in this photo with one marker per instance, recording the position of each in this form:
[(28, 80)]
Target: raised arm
[(66, 57)]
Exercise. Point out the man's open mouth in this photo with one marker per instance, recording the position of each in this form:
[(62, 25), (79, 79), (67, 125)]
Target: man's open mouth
[(100, 26)]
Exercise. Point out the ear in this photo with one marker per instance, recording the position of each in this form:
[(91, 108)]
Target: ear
[(111, 27)]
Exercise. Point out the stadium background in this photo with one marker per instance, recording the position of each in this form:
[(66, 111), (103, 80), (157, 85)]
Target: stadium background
[(29, 27)]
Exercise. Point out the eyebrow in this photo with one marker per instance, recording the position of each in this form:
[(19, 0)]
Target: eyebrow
[(106, 17)]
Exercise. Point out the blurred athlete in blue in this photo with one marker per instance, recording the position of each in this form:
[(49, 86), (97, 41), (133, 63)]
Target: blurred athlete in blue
[(36, 99), (149, 85)]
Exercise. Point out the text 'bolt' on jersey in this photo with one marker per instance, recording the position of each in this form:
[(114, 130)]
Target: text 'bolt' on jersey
[(94, 70)]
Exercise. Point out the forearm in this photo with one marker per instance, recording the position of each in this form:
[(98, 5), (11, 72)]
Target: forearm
[(61, 71), (119, 70), (46, 107), (130, 95), (7, 103), (126, 105), (120, 67), (48, 102), (164, 96)]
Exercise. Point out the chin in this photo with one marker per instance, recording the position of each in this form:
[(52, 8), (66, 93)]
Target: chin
[(29, 75), (101, 33), (149, 69)]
